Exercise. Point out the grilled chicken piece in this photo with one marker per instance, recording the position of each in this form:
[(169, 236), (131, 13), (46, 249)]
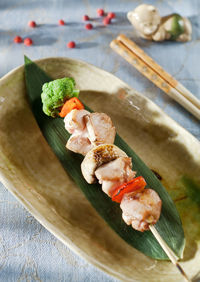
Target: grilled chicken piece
[(88, 130), (75, 120), (141, 209), (75, 124), (114, 173), (79, 143), (98, 156), (100, 129)]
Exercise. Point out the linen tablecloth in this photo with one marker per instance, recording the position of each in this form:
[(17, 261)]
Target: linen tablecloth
[(28, 252)]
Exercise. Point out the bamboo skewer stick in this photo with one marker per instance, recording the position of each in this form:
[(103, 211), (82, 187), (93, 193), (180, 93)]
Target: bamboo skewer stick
[(172, 256), (149, 68)]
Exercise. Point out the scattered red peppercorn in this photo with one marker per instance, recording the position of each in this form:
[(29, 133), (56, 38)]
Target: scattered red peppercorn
[(100, 12), (106, 21), (32, 24), (111, 15), (71, 44), (28, 41), (61, 22), (89, 26), (18, 39), (86, 18)]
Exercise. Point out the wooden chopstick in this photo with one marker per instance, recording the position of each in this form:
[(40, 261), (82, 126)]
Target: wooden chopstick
[(149, 68), (158, 69)]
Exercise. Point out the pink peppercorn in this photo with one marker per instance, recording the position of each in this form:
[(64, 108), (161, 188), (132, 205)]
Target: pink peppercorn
[(71, 44), (111, 15), (28, 41), (32, 24), (89, 26), (18, 39), (86, 18), (100, 12), (106, 21), (61, 22)]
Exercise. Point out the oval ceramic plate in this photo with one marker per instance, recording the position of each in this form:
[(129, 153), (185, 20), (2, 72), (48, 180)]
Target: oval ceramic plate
[(30, 170)]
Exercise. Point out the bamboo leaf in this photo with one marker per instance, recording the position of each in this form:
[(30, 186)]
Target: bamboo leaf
[(169, 225)]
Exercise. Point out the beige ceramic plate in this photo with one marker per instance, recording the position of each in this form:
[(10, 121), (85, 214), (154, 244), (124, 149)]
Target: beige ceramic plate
[(30, 170)]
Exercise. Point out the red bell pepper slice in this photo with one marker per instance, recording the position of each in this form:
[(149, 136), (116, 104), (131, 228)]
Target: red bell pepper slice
[(137, 184), (71, 104)]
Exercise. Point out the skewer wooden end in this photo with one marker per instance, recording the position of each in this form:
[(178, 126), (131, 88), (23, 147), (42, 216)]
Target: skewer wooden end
[(172, 256)]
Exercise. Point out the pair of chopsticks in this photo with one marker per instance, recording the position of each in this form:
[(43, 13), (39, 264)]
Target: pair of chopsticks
[(149, 68)]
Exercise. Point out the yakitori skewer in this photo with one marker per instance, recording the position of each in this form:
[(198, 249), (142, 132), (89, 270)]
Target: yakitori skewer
[(97, 128), (93, 135)]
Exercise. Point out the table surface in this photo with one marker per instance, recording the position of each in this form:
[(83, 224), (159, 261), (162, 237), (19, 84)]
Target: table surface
[(28, 252)]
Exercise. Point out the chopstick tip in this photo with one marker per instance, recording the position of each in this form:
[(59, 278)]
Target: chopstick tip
[(113, 43)]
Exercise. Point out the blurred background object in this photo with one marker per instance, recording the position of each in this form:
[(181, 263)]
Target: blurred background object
[(150, 25)]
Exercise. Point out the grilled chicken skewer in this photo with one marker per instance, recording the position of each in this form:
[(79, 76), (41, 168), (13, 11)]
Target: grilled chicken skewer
[(142, 209), (110, 166), (93, 136)]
